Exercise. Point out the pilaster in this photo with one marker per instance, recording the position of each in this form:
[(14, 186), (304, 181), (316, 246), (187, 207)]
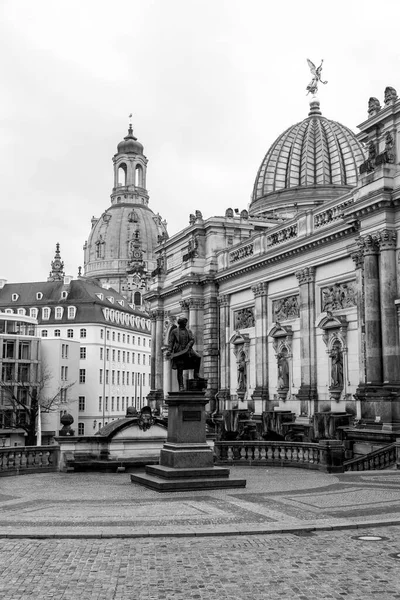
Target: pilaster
[(307, 393), (260, 291)]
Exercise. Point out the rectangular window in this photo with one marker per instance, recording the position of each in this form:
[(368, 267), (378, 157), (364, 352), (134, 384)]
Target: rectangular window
[(127, 357), (112, 403), (117, 403), (81, 428), (24, 350), (62, 350), (101, 353), (81, 401), (70, 333), (106, 403), (82, 375), (107, 376), (118, 375), (101, 376), (108, 334), (128, 339), (119, 337), (66, 373), (138, 341), (8, 349), (112, 377), (101, 334), (63, 395), (62, 373), (123, 377), (133, 340), (123, 403), (123, 356), (66, 350), (127, 378), (119, 355), (133, 358), (83, 352), (100, 403), (113, 336), (138, 359), (108, 354), (23, 372), (123, 338), (149, 380), (113, 355)]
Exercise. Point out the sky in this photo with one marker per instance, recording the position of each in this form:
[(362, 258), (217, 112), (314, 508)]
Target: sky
[(210, 83)]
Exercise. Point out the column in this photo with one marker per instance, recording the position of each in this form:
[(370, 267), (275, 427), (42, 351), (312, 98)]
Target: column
[(224, 354), (358, 258), (308, 388), (210, 337), (153, 351), (195, 321), (260, 291), (159, 361), (388, 294), (372, 312)]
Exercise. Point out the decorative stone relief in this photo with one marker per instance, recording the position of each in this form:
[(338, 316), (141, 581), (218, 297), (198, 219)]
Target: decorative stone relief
[(260, 289), (241, 253), (286, 308), (390, 95), (241, 349), (339, 296), (283, 235), (243, 318), (306, 275)]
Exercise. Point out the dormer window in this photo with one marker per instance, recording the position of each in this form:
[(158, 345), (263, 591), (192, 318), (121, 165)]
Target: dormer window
[(14, 297), (33, 312), (9, 311), (100, 296), (121, 302), (59, 310), (71, 312), (39, 296), (64, 295), (45, 313), (110, 299), (21, 311)]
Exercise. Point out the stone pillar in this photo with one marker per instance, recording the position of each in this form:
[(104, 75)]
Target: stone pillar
[(260, 291), (224, 351), (388, 295), (210, 339), (159, 359), (373, 347), (308, 388), (153, 351), (358, 258), (195, 321)]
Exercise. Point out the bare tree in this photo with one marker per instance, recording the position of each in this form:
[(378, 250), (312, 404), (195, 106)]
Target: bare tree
[(23, 400)]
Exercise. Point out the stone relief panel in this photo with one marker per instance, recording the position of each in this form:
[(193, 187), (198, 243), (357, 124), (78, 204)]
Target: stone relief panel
[(285, 308), (243, 318), (338, 296)]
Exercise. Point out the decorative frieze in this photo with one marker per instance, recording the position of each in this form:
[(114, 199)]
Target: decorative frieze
[(306, 275), (243, 318), (286, 308), (283, 235), (241, 253), (338, 296), (331, 214)]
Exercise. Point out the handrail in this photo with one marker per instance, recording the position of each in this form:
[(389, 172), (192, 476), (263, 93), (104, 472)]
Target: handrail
[(376, 460), (264, 452)]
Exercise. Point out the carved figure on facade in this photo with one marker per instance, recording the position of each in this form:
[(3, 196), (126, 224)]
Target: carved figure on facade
[(145, 418), (337, 366), (192, 219), (316, 72), (338, 296), (244, 318), (286, 308), (373, 106), (283, 235), (241, 253), (386, 238), (181, 352), (229, 213), (390, 95), (241, 373), (244, 214), (283, 370)]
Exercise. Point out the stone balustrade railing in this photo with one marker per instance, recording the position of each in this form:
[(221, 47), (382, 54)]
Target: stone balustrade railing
[(283, 235), (376, 460), (326, 455), (330, 214), (19, 460)]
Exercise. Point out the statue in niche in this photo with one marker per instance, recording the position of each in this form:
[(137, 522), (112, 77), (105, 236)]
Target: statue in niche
[(242, 373), (283, 370), (181, 353), (337, 367)]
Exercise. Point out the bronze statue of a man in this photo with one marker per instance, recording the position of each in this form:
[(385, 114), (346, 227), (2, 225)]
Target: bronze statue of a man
[(181, 353)]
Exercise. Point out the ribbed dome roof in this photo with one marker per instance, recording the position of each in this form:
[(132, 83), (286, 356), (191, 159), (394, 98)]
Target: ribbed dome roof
[(316, 152), (129, 144)]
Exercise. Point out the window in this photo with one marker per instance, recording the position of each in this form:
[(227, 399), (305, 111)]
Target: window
[(133, 340), (81, 403), (119, 355), (107, 376), (44, 332), (123, 403), (149, 380), (113, 336), (8, 349), (112, 403), (58, 312), (82, 333), (71, 312), (24, 350), (81, 428), (21, 311), (128, 339), (82, 375), (138, 341), (118, 377), (123, 338), (63, 395), (127, 357), (112, 377), (117, 403), (123, 356), (7, 371), (113, 355), (127, 378), (138, 359), (70, 333), (101, 376), (23, 372), (108, 354), (14, 297), (137, 298), (108, 334), (62, 373), (39, 296), (123, 377), (64, 295), (133, 358), (64, 351), (82, 353), (101, 353), (101, 334), (106, 403), (33, 312), (57, 333), (45, 314), (100, 403), (119, 337)]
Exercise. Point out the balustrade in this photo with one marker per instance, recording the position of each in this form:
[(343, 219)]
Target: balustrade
[(28, 459)]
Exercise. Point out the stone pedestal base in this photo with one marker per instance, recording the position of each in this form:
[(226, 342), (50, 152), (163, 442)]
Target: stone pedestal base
[(186, 460)]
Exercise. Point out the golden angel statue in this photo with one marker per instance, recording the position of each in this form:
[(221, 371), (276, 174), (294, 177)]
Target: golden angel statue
[(316, 72)]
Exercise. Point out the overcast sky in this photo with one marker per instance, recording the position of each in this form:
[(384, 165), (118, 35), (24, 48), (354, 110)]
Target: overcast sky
[(210, 83)]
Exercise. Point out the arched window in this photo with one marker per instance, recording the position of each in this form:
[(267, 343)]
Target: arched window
[(82, 333), (139, 176), (44, 332), (137, 299), (70, 333), (57, 333), (122, 174)]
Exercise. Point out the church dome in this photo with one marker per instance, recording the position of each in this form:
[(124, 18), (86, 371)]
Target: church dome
[(309, 163), (129, 144)]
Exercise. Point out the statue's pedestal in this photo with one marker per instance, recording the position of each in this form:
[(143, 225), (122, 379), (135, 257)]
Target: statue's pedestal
[(186, 460)]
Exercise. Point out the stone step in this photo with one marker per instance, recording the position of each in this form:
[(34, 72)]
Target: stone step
[(185, 484), (194, 472)]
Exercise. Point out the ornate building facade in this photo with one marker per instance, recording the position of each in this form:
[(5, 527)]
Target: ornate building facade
[(295, 302), (120, 248)]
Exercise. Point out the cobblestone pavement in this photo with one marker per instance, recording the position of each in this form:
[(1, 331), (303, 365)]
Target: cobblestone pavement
[(321, 565), (109, 505)]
